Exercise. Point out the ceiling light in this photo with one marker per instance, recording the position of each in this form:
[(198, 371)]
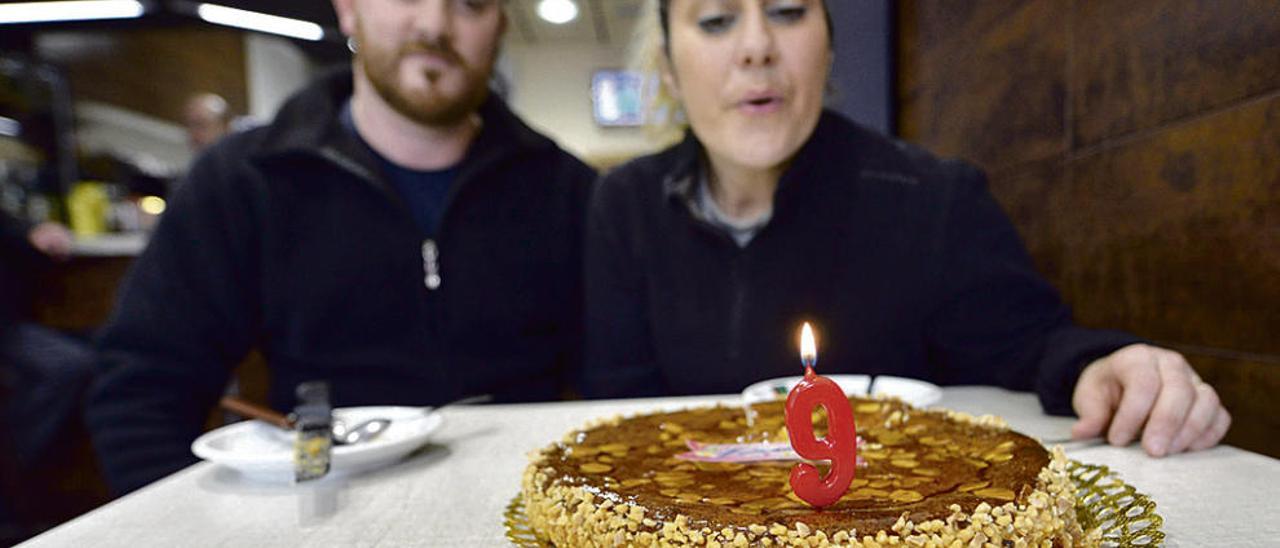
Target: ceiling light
[(261, 22), (78, 10), (558, 11)]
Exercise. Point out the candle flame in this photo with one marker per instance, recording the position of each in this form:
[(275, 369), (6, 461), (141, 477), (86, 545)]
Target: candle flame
[(808, 348)]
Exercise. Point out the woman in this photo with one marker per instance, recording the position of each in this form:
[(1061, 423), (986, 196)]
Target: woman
[(704, 259)]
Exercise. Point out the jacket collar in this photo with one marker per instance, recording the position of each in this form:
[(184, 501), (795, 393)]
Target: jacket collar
[(680, 183), (308, 124)]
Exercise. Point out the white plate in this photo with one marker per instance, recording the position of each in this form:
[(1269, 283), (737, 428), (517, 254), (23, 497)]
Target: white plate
[(264, 452), (915, 392), (777, 389)]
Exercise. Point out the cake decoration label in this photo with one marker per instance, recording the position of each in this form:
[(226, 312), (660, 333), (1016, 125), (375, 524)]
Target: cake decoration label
[(745, 452), (738, 452)]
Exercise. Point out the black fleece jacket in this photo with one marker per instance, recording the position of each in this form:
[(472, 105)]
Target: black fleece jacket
[(903, 262), (287, 239)]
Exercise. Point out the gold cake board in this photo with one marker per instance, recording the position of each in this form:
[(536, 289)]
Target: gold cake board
[(1110, 511)]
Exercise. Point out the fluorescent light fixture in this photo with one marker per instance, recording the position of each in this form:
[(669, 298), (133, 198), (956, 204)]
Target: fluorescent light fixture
[(557, 11), (261, 22), (9, 127), (77, 10)]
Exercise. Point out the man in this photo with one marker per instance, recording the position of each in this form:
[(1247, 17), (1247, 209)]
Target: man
[(395, 231), (206, 119)]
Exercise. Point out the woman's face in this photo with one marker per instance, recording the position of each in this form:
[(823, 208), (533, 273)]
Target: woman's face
[(750, 74)]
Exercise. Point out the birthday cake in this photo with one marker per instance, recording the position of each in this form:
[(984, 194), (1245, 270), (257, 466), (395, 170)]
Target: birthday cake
[(924, 478)]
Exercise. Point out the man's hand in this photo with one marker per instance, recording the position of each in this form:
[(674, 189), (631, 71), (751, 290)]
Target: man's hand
[(1143, 385), (52, 239)]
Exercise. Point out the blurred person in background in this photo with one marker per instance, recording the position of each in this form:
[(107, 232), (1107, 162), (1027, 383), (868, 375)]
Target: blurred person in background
[(702, 260), (396, 231), (206, 118), (43, 372)]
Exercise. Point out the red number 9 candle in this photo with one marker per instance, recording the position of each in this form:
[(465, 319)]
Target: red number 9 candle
[(840, 444)]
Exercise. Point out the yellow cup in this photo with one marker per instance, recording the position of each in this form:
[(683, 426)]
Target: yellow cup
[(87, 206)]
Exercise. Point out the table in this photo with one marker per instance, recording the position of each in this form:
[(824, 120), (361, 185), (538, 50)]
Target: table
[(453, 492)]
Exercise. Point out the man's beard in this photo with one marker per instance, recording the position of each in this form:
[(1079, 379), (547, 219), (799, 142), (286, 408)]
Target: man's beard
[(431, 108)]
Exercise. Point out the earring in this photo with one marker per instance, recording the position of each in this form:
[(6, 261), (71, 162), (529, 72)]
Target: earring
[(351, 44)]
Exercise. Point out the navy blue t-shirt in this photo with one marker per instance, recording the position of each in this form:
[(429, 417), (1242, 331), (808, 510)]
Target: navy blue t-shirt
[(424, 192)]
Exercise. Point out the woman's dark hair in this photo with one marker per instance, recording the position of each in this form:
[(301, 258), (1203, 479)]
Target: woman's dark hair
[(666, 26)]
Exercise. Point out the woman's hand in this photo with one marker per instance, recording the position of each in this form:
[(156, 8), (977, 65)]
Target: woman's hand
[(1152, 390)]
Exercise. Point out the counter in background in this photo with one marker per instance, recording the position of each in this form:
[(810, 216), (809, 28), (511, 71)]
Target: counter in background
[(77, 295), (110, 245)]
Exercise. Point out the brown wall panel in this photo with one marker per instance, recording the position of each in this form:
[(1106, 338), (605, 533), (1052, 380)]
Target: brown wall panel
[(1158, 210), (985, 79), (154, 71), (1139, 64), (1248, 389), (1177, 236)]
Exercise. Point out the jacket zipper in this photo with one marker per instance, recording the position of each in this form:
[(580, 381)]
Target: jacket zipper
[(736, 310), (430, 264), (430, 249), (738, 286)]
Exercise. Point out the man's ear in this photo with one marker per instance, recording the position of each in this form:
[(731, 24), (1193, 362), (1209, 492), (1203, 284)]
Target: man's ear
[(346, 11)]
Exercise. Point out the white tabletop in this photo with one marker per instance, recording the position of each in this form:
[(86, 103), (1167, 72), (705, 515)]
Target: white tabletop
[(453, 492)]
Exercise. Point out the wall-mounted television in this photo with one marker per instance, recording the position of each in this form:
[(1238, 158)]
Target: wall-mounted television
[(617, 98)]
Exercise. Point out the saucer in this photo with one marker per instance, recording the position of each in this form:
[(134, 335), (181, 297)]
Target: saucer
[(264, 452)]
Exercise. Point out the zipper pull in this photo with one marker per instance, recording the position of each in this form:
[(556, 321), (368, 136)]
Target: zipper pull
[(430, 264)]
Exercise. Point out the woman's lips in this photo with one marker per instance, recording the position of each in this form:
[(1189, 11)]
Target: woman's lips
[(760, 104)]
